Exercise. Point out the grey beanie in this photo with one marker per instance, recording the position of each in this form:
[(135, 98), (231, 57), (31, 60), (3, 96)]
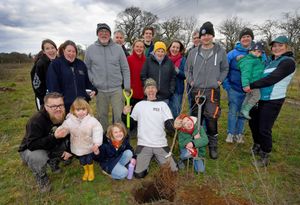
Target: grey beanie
[(149, 82), (102, 26)]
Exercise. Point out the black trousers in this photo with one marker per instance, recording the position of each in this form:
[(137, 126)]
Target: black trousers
[(262, 120), (211, 110)]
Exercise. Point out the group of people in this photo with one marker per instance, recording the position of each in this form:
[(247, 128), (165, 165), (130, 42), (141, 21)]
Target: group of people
[(157, 76)]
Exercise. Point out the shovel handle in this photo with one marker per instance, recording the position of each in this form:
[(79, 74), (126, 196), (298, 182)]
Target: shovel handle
[(128, 97)]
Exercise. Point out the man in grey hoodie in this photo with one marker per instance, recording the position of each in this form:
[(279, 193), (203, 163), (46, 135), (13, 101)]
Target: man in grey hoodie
[(206, 68), (108, 71)]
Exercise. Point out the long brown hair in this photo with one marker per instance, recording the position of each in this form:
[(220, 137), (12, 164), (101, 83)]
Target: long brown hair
[(181, 49)]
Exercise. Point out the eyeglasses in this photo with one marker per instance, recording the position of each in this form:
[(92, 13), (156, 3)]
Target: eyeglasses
[(55, 107)]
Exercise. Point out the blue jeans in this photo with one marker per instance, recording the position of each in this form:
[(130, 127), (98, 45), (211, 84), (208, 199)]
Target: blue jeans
[(235, 120), (175, 104), (198, 163), (120, 171)]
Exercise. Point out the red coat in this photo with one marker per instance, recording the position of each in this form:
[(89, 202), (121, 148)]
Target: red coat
[(135, 65)]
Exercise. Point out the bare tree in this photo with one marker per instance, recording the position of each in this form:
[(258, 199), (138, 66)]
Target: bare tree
[(189, 25), (132, 21), (291, 27), (268, 30), (230, 29), (170, 29)]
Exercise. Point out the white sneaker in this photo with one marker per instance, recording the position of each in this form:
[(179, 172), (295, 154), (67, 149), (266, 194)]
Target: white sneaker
[(229, 138), (240, 138)]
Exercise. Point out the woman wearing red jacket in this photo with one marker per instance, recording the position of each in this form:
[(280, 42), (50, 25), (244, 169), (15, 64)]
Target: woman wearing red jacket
[(136, 61)]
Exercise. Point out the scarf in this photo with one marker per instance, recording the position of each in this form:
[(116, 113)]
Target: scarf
[(117, 144), (176, 59)]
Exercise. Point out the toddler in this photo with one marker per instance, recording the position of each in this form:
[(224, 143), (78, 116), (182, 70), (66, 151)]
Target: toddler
[(192, 143), (252, 67), (86, 135)]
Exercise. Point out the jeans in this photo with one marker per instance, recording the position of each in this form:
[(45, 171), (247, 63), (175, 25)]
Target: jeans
[(198, 163), (120, 171), (235, 120), (175, 104)]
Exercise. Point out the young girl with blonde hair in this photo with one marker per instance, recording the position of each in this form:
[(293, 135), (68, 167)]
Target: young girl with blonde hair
[(86, 135)]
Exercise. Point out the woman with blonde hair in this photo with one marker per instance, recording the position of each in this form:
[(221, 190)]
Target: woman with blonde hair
[(136, 61), (273, 86)]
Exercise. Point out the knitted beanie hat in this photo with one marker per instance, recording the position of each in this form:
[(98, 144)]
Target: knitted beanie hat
[(102, 26), (158, 45), (182, 129), (149, 82), (257, 46), (246, 31), (207, 28)]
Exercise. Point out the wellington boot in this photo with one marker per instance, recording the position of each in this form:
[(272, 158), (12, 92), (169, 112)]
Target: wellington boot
[(245, 111), (91, 176), (86, 173)]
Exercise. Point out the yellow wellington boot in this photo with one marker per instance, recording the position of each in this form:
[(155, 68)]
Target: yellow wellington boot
[(86, 173), (91, 176)]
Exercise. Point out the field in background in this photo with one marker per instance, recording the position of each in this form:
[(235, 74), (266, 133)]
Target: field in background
[(230, 177)]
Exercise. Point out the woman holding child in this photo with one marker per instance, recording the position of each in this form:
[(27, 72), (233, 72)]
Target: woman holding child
[(273, 86)]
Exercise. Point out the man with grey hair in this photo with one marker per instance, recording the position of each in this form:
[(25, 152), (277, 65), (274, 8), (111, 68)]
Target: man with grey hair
[(108, 70), (119, 38)]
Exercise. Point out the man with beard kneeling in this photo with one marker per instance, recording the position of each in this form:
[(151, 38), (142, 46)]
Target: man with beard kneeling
[(40, 146)]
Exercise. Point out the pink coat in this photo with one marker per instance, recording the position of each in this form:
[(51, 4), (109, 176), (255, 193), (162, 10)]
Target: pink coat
[(85, 133)]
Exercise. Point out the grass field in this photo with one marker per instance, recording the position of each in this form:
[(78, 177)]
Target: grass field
[(231, 178)]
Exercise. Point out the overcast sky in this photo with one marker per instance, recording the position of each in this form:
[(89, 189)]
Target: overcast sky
[(25, 23)]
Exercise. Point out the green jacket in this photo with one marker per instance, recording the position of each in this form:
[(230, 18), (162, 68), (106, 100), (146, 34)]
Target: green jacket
[(252, 68), (200, 143)]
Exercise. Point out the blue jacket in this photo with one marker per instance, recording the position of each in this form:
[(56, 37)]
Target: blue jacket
[(233, 79), (109, 156), (180, 77), (69, 79)]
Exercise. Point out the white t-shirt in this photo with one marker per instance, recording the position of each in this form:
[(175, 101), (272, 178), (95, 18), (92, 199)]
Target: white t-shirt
[(151, 117)]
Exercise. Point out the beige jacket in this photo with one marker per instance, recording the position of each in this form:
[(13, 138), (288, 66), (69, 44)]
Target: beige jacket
[(84, 133)]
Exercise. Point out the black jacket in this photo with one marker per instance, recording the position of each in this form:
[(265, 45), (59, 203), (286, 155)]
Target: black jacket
[(40, 133), (164, 74), (38, 77)]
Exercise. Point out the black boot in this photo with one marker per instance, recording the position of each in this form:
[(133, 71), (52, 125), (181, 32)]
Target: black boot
[(264, 159), (54, 165), (213, 146), (256, 149), (43, 181)]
